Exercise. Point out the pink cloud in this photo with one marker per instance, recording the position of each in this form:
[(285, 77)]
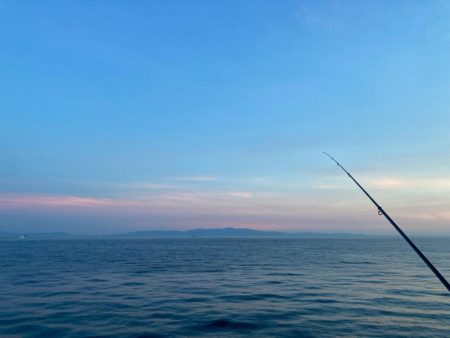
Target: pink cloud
[(9, 201), (259, 210)]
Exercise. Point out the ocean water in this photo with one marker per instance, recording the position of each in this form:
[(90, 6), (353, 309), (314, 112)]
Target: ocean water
[(222, 288)]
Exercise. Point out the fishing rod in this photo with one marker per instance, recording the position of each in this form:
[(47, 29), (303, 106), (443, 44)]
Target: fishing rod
[(400, 231)]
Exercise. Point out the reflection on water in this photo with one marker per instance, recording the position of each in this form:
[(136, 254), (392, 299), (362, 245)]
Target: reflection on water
[(222, 287)]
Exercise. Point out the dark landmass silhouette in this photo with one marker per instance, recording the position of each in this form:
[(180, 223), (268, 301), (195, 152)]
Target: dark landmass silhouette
[(191, 233), (234, 232)]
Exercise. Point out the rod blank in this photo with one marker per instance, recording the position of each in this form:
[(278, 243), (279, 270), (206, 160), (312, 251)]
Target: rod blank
[(400, 231)]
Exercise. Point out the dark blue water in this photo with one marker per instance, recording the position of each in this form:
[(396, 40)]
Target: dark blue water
[(222, 287)]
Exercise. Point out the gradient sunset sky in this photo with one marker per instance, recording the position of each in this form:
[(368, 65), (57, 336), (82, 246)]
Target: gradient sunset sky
[(140, 115)]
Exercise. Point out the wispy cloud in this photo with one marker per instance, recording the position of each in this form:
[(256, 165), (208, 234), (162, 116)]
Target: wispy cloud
[(409, 183), (241, 194), (11, 201), (332, 204), (388, 183), (201, 178), (136, 185)]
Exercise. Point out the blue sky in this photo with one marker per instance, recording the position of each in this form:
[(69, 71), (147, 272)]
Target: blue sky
[(137, 115)]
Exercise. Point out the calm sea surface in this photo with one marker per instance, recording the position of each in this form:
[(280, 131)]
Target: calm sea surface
[(222, 287)]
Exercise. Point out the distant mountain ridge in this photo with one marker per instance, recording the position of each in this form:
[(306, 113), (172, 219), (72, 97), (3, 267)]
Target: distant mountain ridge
[(191, 233), (213, 232), (232, 232)]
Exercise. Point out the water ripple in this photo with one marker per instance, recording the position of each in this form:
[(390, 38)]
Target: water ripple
[(221, 287)]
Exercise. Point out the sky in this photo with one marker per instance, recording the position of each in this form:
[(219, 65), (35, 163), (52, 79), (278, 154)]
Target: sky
[(119, 116)]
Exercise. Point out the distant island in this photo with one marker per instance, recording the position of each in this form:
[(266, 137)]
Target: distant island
[(191, 233), (234, 232)]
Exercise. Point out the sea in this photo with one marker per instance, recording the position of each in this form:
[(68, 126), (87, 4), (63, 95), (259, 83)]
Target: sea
[(223, 287)]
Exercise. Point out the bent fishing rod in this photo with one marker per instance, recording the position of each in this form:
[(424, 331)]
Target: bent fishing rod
[(400, 231)]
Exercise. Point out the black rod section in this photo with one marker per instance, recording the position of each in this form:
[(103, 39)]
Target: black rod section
[(400, 231)]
